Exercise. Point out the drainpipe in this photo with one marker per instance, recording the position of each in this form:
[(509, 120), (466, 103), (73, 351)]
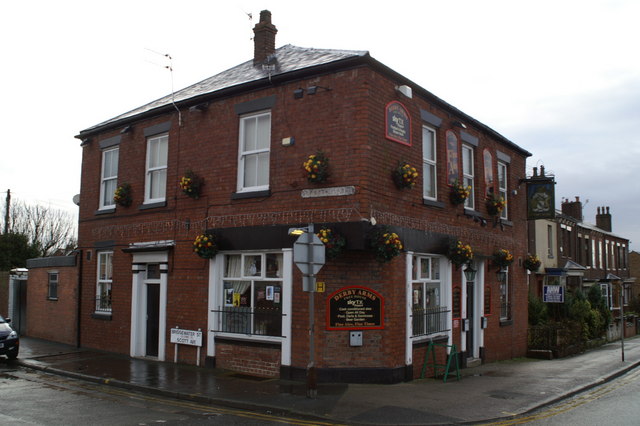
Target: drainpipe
[(79, 259)]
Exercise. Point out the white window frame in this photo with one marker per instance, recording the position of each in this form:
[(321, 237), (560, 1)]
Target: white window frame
[(104, 284), (159, 168), (550, 241), (468, 175), (435, 278), (243, 154), (108, 183), (502, 187), (53, 279), (505, 297), (605, 289), (429, 165), (252, 330)]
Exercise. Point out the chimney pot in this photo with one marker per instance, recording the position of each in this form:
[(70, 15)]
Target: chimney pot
[(264, 40)]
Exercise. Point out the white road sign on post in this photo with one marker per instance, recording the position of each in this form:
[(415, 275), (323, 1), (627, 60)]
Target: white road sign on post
[(309, 257)]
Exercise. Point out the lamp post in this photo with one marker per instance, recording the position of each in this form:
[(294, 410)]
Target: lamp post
[(309, 256)]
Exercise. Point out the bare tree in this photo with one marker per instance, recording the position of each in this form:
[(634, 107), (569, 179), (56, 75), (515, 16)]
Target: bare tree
[(49, 230)]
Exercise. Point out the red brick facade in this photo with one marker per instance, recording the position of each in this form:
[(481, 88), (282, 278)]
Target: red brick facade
[(344, 119), (52, 316)]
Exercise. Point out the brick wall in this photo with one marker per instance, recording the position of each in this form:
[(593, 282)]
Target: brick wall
[(53, 319)]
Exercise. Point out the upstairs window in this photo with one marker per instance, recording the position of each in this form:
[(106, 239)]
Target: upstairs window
[(156, 174), (254, 149), (109, 177), (429, 163), (502, 187), (468, 175)]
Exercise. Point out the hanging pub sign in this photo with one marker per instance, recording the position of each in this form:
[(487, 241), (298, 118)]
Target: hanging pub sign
[(398, 123), (541, 199), (355, 308)]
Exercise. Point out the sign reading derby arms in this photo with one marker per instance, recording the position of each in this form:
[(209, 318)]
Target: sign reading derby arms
[(355, 308)]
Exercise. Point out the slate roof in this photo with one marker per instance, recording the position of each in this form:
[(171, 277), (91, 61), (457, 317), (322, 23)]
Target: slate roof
[(286, 59)]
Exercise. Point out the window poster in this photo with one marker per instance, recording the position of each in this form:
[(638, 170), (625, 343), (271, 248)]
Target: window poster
[(452, 157), (269, 292), (398, 123), (488, 169)]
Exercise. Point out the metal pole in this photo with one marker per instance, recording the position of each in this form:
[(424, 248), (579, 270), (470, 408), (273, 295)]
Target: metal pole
[(312, 382), (623, 323)]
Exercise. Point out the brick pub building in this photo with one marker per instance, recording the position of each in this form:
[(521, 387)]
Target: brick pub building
[(245, 134)]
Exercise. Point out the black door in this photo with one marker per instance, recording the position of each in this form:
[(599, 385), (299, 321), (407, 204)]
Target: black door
[(470, 314), (153, 319)]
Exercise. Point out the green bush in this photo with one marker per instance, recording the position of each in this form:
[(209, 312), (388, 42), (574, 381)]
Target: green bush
[(538, 313)]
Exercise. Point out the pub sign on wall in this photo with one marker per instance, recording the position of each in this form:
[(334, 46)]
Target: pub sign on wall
[(398, 123), (355, 308)]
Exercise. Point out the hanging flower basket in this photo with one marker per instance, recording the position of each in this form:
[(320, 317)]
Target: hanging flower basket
[(122, 195), (191, 184), (460, 253), (532, 262), (502, 258), (334, 243), (459, 192), (316, 167), (495, 204), (385, 244), (205, 246), (405, 176)]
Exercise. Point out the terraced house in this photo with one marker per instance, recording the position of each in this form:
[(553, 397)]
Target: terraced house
[(210, 180)]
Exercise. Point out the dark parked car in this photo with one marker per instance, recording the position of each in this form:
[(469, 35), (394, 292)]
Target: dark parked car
[(9, 342)]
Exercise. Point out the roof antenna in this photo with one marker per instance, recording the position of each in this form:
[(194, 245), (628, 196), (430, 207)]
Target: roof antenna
[(170, 68)]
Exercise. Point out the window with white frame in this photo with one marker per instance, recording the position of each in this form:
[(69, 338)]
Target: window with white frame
[(156, 173), (505, 297), (550, 241), (104, 281), (254, 150), (600, 262), (109, 177), (252, 291), (502, 187), (605, 288), (467, 175), (53, 286), (429, 174), (428, 298)]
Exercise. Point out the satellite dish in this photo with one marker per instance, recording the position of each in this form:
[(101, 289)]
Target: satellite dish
[(76, 199)]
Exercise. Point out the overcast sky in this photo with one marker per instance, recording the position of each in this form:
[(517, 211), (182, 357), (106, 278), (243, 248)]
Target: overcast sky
[(560, 78)]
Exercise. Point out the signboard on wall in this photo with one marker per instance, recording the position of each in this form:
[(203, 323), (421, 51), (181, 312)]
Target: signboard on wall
[(355, 308), (398, 123)]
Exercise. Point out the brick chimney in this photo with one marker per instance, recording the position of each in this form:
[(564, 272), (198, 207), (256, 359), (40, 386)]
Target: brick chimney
[(264, 40), (573, 209), (603, 219)]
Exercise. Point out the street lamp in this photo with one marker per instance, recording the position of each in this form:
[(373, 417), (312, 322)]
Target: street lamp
[(470, 273), (501, 275)]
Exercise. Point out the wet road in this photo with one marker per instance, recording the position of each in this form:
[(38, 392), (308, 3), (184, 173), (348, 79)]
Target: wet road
[(37, 398), (612, 404)]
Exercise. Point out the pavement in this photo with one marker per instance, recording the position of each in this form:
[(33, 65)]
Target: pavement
[(489, 392)]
